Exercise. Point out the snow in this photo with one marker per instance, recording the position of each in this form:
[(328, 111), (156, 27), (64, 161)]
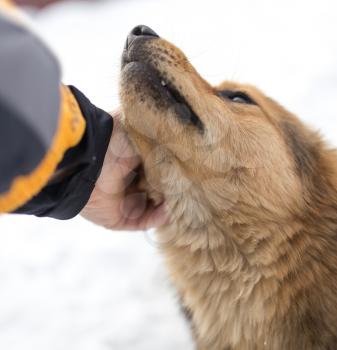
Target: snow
[(73, 285)]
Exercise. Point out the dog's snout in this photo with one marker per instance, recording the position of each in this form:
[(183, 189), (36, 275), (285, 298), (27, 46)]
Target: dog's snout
[(140, 31)]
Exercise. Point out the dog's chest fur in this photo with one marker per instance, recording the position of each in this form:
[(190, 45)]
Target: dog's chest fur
[(238, 281), (228, 297)]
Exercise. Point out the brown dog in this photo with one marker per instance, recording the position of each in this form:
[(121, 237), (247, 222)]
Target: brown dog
[(252, 192)]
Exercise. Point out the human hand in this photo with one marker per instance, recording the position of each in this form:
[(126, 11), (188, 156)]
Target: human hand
[(114, 203)]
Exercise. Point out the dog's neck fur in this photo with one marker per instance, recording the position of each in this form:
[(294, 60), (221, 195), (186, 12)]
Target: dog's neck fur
[(246, 275)]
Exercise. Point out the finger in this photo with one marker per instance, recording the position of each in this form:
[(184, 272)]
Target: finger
[(115, 179), (116, 113), (120, 146), (153, 217), (134, 205)]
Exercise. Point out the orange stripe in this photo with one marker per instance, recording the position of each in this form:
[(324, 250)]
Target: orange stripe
[(13, 13), (9, 7), (7, 4), (69, 133)]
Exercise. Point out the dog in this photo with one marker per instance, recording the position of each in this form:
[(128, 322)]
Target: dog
[(252, 194)]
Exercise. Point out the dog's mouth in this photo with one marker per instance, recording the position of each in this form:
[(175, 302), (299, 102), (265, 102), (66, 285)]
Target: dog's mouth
[(150, 81), (183, 109)]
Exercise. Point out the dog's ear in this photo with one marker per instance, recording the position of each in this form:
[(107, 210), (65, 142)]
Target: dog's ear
[(302, 146)]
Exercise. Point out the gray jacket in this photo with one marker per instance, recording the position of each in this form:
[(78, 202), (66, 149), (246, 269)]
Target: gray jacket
[(45, 129)]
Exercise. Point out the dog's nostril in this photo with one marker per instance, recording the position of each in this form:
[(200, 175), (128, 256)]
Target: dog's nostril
[(138, 32)]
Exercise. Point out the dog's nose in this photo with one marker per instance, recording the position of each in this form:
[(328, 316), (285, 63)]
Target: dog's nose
[(140, 31)]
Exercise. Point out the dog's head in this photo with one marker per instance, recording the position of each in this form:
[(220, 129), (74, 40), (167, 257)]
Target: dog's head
[(229, 146)]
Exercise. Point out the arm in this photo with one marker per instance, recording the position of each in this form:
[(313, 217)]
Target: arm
[(45, 127), (53, 144)]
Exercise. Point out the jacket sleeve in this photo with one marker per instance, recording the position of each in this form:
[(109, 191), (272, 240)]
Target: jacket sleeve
[(52, 139)]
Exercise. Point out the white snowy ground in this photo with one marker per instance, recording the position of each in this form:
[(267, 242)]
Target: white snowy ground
[(72, 285)]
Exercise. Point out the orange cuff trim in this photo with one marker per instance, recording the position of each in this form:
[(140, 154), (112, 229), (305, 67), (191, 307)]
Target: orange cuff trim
[(69, 133), (7, 4), (8, 8)]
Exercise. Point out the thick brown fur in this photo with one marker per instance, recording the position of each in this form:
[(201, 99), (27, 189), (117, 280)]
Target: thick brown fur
[(252, 243)]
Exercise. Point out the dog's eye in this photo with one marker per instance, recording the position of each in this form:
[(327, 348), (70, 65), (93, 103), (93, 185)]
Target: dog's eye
[(237, 96), (240, 98)]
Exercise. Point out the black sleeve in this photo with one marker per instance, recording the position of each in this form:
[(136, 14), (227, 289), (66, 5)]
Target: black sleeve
[(66, 195)]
